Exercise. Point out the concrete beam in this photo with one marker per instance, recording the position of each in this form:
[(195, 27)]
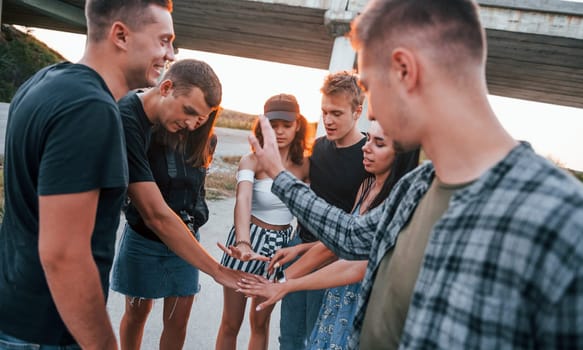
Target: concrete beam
[(542, 17), (315, 4), (57, 9), (552, 6), (533, 21), (337, 22)]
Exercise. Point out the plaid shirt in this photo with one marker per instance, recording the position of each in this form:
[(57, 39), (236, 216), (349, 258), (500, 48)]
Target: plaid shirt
[(503, 268)]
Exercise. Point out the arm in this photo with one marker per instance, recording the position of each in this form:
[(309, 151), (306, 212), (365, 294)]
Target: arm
[(347, 236), (560, 325), (146, 197), (66, 225), (157, 215), (285, 255), (242, 215), (339, 273), (313, 259), (317, 256)]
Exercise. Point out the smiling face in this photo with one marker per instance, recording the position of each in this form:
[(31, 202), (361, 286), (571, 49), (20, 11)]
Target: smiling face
[(378, 151), (150, 48), (182, 111)]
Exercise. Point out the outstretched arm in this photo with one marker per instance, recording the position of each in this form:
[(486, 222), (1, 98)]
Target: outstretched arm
[(284, 255), (339, 273), (347, 236), (316, 257), (146, 197)]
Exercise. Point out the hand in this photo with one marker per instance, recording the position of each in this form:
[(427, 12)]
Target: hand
[(242, 253), (268, 156), (229, 277), (255, 287), (282, 256)]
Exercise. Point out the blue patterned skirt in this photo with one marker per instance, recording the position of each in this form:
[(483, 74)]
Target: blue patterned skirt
[(334, 324)]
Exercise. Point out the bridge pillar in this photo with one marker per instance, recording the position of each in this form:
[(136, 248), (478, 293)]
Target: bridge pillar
[(337, 20), (1, 12), (343, 56)]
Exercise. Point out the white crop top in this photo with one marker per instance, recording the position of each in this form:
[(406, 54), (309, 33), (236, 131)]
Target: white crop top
[(264, 204)]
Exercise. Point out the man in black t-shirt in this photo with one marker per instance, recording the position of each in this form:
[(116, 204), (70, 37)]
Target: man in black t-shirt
[(65, 178), (188, 94), (336, 172)]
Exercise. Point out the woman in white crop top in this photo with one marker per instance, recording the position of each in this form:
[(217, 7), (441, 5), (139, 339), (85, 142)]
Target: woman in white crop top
[(262, 222)]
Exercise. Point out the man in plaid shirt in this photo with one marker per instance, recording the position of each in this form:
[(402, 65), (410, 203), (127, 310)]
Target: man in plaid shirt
[(483, 246)]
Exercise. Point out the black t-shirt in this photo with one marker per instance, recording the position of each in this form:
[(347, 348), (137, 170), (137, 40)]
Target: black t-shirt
[(335, 175), (64, 135), (138, 130), (181, 185)]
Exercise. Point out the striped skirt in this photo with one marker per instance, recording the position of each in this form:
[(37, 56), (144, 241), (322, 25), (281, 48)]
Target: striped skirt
[(265, 242)]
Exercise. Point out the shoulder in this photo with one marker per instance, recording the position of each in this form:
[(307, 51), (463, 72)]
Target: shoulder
[(74, 89), (538, 182), (80, 81), (356, 148), (128, 105), (321, 149), (301, 171), (320, 143), (414, 181), (249, 162)]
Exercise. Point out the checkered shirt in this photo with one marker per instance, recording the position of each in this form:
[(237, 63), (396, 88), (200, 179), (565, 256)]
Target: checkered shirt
[(503, 268)]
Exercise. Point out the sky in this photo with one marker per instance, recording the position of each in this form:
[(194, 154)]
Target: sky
[(554, 131)]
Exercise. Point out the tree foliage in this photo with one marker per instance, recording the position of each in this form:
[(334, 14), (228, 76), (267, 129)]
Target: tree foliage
[(21, 55)]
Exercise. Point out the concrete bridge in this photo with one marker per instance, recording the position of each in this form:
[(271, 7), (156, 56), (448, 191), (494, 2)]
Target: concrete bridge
[(535, 46)]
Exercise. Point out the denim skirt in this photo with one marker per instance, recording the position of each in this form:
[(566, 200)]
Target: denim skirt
[(148, 269)]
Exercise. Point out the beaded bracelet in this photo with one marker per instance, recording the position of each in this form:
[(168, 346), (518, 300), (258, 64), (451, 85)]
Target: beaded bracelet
[(247, 243)]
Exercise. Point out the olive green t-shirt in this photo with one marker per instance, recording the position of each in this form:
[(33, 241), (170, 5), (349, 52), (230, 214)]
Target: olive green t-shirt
[(397, 272)]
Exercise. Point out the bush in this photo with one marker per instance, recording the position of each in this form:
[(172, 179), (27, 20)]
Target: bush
[(21, 55)]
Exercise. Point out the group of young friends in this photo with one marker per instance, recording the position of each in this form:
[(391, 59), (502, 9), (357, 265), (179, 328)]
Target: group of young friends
[(479, 248)]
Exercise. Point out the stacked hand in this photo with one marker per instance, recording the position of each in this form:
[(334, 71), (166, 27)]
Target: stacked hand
[(282, 257), (242, 252), (229, 277), (258, 286)]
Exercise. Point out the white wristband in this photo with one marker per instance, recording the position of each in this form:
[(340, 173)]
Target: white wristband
[(245, 175)]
